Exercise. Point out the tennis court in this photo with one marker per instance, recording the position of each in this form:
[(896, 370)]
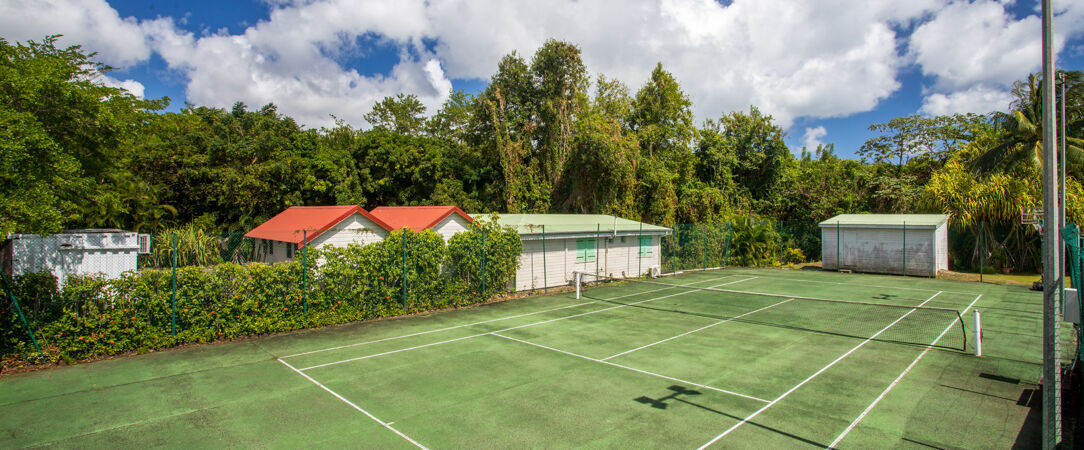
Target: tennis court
[(626, 365)]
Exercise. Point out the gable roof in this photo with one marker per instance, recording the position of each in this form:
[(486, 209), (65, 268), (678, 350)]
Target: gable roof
[(887, 220), (416, 217), (287, 226), (527, 224)]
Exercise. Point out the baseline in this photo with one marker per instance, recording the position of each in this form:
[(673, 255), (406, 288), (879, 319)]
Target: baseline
[(816, 374), (898, 379), (861, 285)]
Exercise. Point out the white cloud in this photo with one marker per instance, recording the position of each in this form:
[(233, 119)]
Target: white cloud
[(132, 86), (978, 99), (91, 23), (812, 137), (790, 58)]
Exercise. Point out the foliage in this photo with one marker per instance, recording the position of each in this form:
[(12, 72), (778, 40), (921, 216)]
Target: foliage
[(93, 316), (60, 133), (402, 114), (194, 247), (754, 242)]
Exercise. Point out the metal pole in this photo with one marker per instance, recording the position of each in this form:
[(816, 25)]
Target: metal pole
[(982, 250), (483, 262), (404, 268), (1051, 258), (11, 294), (905, 247), (545, 282), (173, 295), (839, 259), (598, 233), (305, 275), (729, 237), (640, 251)]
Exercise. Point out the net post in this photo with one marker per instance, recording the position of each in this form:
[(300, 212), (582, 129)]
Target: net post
[(978, 332), (545, 269), (11, 295), (173, 293), (578, 277), (305, 275)]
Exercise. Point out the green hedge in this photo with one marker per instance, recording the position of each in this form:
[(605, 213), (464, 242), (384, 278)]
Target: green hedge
[(94, 317)]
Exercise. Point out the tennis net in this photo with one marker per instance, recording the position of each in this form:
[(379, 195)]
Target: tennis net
[(884, 322)]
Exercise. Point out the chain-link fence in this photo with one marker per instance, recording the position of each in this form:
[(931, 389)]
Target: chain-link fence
[(91, 293)]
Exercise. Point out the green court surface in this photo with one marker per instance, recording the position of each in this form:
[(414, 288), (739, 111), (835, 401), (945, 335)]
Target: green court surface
[(627, 365)]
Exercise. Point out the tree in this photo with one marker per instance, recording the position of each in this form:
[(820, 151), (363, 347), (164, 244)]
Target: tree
[(1021, 142), (403, 114), (748, 149), (62, 134)]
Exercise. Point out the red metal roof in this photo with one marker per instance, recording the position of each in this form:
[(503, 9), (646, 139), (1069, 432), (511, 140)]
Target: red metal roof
[(288, 226), (416, 217)]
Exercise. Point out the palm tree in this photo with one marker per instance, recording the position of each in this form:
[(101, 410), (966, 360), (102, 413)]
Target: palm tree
[(1021, 140)]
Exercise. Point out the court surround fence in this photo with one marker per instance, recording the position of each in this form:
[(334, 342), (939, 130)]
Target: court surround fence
[(195, 286)]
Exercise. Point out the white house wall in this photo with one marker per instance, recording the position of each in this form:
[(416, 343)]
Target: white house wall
[(881, 250), (67, 254), (556, 268), (453, 224)]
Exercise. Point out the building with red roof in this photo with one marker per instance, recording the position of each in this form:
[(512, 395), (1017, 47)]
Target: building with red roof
[(444, 220), (279, 237)]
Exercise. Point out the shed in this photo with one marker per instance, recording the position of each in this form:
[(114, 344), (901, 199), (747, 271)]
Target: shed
[(556, 245), (281, 236), (444, 220), (910, 244), (107, 252)]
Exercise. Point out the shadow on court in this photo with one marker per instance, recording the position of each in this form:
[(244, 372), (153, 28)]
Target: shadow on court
[(681, 395)]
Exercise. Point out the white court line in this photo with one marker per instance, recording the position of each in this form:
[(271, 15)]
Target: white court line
[(897, 380), (704, 386), (811, 377), (522, 326), (694, 331), (458, 326), (348, 402)]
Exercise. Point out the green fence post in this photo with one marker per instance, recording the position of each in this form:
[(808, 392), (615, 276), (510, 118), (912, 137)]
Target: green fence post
[(839, 258), (404, 269), (781, 242), (11, 295), (905, 247), (640, 252), (598, 232), (729, 236), (483, 262), (173, 294), (305, 275), (545, 282), (982, 251)]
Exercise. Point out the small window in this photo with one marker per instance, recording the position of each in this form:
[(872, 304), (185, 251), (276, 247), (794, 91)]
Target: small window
[(645, 245), (585, 250), (270, 247), (289, 251)]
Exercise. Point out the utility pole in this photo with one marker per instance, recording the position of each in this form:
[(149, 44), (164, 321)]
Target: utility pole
[(1051, 258)]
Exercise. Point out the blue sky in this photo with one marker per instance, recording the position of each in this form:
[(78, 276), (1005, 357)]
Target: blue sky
[(826, 72)]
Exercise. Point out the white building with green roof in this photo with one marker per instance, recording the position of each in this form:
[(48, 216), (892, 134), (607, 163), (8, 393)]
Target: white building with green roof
[(910, 244), (556, 245)]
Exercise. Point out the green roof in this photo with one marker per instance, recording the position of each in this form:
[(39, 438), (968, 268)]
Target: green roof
[(887, 220), (571, 223)]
